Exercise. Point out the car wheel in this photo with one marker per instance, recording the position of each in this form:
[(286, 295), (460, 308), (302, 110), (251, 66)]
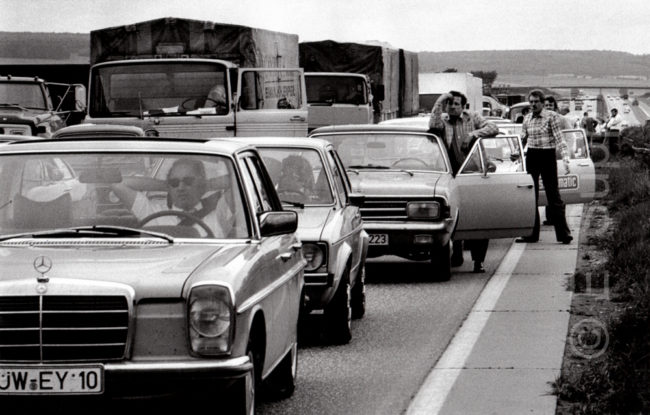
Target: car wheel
[(441, 262), (338, 313), (282, 381), (359, 294)]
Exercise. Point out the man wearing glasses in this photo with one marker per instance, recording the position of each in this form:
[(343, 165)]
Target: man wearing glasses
[(542, 134), (186, 184)]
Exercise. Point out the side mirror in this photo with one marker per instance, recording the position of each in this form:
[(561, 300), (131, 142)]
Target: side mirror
[(356, 199), (79, 98), (278, 222), (378, 92)]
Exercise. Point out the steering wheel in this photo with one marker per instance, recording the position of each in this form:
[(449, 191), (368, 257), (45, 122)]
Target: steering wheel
[(424, 163), (179, 214)]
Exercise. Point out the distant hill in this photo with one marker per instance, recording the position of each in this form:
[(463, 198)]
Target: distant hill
[(34, 47), (539, 62)]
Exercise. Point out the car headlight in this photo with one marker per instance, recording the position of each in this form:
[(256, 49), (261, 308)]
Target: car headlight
[(211, 318), (316, 256), (423, 210)]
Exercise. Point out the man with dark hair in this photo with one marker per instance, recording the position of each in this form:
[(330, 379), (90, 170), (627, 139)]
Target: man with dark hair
[(459, 129), (542, 132)]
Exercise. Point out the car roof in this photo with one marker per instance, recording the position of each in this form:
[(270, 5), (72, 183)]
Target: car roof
[(151, 144), (6, 138), (284, 142), (10, 78), (98, 130), (414, 127)]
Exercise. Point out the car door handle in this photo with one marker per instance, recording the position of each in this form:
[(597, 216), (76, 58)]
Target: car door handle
[(525, 186), (296, 246), (297, 118), (583, 164), (286, 256)]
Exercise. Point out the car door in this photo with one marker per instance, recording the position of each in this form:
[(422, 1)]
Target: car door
[(271, 102), (496, 194), (579, 186), (278, 277)]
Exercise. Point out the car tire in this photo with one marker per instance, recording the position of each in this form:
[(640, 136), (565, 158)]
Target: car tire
[(441, 262), (338, 313), (281, 383), (359, 294)]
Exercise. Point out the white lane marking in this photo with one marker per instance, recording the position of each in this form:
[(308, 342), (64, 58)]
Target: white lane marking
[(433, 393)]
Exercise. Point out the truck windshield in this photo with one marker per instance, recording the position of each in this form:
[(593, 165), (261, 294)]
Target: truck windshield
[(336, 89), (23, 94), (153, 88)]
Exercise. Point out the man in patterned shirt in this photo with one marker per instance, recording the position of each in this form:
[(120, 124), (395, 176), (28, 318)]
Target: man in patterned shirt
[(459, 129), (541, 132)]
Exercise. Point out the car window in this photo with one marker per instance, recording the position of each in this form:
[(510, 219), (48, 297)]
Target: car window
[(473, 162), (299, 175), (43, 192), (502, 154), (256, 174), (389, 150), (576, 145)]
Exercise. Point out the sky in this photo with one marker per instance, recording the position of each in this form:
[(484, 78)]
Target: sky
[(414, 25)]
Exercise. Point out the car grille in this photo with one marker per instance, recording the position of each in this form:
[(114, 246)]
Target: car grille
[(387, 208), (55, 328)]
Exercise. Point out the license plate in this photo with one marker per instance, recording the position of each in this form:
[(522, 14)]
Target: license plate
[(378, 239), (46, 380)]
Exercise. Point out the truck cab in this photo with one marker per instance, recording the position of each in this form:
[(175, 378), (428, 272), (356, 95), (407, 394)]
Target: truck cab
[(198, 98), (336, 98), (30, 106)]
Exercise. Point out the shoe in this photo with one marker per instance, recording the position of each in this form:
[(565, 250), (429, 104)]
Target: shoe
[(478, 267), (526, 239), (567, 240), (457, 262), (547, 223)]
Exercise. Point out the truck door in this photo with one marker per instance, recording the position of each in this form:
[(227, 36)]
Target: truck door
[(271, 102), (497, 197)]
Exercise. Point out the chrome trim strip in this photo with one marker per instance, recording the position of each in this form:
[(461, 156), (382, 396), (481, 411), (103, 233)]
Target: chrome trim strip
[(424, 226), (242, 363)]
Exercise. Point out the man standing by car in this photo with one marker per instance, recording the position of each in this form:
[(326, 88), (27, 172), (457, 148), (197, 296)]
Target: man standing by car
[(542, 132), (612, 130), (459, 129)]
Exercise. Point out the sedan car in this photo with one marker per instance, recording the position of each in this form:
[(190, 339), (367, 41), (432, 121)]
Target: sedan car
[(311, 180), (414, 206), (144, 297)]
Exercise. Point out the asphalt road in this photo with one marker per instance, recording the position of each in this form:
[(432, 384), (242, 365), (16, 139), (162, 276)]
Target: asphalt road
[(408, 324)]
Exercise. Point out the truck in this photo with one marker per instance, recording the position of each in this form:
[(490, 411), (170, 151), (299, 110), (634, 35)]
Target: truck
[(31, 106), (183, 78), (338, 98), (434, 84), (392, 73)]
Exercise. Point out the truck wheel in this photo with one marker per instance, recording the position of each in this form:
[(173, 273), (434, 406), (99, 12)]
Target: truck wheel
[(282, 381), (338, 313), (359, 294), (441, 262)]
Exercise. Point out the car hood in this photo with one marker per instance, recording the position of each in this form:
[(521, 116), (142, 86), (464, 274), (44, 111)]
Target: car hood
[(311, 221), (18, 114), (394, 183), (154, 272)]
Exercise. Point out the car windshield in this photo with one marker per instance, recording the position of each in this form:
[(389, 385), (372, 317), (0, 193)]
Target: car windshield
[(178, 195), (23, 94), (388, 150), (298, 175)]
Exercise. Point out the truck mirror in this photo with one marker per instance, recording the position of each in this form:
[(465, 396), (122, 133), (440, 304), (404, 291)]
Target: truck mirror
[(79, 98), (378, 92)]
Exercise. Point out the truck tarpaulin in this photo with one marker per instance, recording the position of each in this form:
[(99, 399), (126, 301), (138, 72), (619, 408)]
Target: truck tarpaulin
[(175, 37), (395, 69)]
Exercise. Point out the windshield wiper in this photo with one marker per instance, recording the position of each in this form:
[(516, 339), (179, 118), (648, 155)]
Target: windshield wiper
[(292, 203), (369, 166), (104, 231)]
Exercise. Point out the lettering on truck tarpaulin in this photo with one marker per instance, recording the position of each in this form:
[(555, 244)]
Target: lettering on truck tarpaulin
[(279, 91)]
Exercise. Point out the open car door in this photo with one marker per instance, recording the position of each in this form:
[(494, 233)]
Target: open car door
[(271, 102), (579, 186), (497, 197)]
